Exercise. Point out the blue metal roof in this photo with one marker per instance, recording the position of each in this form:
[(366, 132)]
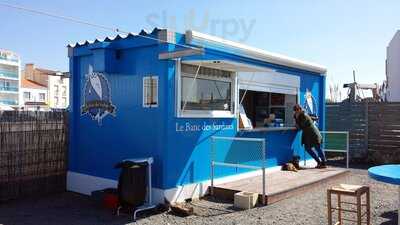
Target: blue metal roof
[(143, 32), (196, 39)]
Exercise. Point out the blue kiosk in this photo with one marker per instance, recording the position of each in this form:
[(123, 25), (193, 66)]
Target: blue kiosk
[(163, 94)]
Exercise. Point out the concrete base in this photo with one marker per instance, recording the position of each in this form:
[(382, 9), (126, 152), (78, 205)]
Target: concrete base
[(245, 200)]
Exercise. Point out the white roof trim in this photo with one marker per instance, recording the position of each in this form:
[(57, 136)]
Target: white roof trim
[(256, 53), (227, 65)]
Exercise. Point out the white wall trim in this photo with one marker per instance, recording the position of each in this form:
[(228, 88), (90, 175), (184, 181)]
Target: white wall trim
[(85, 184)]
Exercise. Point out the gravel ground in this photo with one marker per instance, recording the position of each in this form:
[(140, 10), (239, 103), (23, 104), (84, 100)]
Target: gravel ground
[(308, 208)]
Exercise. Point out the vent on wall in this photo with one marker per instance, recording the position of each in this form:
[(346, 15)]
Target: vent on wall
[(118, 54)]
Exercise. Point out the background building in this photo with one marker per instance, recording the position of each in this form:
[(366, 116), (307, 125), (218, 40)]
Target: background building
[(393, 69), (9, 78), (34, 95), (58, 90), (37, 81)]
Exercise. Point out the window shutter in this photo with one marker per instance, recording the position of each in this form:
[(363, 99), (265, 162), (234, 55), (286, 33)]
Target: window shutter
[(150, 91), (154, 90)]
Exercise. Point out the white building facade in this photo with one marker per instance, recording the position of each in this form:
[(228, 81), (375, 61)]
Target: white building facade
[(393, 69), (9, 78), (34, 97), (38, 81), (58, 91)]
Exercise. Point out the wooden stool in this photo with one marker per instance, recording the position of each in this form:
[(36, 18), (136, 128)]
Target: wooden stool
[(353, 191)]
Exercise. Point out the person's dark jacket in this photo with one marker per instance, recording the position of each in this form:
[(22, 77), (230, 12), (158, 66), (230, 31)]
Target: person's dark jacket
[(311, 136)]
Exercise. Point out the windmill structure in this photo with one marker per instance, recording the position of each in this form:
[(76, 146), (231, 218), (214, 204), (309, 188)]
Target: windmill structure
[(356, 94)]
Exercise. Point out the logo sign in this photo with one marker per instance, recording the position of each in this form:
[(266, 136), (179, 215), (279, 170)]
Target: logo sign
[(97, 97), (310, 105)]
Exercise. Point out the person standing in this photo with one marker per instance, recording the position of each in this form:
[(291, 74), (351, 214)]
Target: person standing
[(311, 137)]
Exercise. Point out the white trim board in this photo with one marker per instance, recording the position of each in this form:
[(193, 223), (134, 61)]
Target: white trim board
[(197, 38), (85, 184)]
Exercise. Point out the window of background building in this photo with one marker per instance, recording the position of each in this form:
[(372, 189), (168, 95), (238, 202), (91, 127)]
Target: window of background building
[(56, 90), (64, 91), (42, 97), (27, 95), (64, 102)]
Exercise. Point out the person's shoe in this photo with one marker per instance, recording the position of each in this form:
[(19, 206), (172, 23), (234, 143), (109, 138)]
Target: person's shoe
[(321, 165)]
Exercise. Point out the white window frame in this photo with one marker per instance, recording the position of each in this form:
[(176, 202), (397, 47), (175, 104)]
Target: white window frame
[(44, 97), (24, 97), (64, 91), (146, 105), (56, 90), (203, 113), (56, 100), (64, 101)]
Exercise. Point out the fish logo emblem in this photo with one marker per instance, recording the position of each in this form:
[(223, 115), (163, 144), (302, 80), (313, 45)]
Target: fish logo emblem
[(97, 97), (310, 105)]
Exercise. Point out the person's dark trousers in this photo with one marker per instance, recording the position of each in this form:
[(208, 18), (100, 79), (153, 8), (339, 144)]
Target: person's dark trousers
[(321, 156), (321, 153)]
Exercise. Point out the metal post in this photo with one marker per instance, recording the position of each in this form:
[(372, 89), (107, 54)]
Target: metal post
[(264, 150), (212, 178), (347, 150), (212, 167), (366, 138), (150, 187)]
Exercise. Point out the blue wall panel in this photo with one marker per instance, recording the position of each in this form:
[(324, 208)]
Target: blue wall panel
[(134, 131), (181, 156)]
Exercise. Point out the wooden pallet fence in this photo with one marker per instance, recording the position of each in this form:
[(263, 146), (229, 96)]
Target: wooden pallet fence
[(374, 129), (352, 118)]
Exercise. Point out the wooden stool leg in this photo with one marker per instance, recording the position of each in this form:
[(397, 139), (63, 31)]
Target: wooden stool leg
[(358, 209), (329, 202), (339, 203), (368, 208)]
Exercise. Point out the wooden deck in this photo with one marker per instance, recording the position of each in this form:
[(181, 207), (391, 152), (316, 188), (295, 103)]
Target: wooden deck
[(280, 184)]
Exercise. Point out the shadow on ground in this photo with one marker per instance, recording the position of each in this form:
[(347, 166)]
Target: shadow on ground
[(65, 208), (392, 217)]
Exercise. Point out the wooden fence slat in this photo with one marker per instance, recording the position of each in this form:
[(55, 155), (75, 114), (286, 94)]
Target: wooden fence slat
[(33, 153)]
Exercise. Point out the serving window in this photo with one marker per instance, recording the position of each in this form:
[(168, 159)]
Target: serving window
[(206, 92), (268, 109)]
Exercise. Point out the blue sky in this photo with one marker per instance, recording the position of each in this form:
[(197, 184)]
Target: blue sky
[(341, 35)]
